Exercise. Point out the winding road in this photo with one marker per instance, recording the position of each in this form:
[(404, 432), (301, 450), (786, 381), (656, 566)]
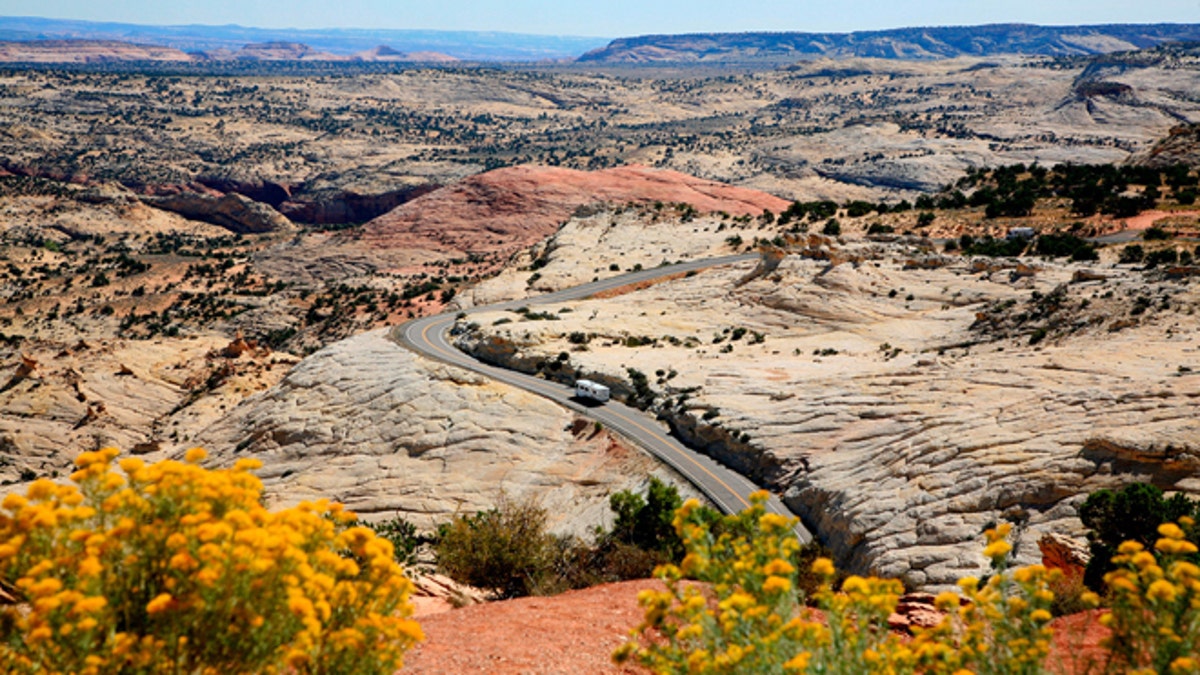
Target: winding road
[(727, 489)]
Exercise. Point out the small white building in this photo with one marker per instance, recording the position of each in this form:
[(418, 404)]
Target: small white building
[(1021, 233)]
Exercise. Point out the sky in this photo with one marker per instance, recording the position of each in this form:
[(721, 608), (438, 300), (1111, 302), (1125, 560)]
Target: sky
[(610, 18)]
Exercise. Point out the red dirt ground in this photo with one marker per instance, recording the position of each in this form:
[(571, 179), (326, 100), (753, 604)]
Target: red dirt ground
[(576, 632), (572, 633)]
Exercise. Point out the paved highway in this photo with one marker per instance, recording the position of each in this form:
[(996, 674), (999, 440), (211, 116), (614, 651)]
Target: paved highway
[(727, 489)]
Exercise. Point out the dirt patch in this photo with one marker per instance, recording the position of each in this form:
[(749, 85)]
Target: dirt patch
[(575, 632), (1076, 649)]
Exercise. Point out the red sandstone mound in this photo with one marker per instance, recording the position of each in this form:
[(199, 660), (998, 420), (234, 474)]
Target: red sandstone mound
[(508, 209)]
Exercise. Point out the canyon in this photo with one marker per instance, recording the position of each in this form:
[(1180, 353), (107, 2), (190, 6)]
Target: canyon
[(215, 260)]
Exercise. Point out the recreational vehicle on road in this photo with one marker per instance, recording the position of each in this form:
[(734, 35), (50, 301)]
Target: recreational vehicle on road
[(586, 389)]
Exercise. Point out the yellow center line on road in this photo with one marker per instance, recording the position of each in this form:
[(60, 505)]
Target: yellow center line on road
[(659, 437)]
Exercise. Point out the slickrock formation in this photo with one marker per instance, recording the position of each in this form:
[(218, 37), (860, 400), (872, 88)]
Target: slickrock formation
[(897, 422), (367, 423), (497, 213), (62, 399), (1181, 146), (619, 237), (510, 209)]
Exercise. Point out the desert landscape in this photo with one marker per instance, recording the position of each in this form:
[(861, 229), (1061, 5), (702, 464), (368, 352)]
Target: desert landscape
[(970, 298)]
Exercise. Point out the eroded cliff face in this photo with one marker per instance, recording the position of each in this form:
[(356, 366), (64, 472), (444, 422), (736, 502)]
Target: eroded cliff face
[(895, 398), (233, 211), (370, 424)]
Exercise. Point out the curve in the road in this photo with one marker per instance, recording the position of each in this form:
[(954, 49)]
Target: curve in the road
[(727, 489)]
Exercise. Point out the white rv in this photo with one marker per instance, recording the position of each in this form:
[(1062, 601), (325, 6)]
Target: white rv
[(587, 389)]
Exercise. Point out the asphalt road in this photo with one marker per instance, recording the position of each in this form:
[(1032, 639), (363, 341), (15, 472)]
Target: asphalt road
[(727, 489)]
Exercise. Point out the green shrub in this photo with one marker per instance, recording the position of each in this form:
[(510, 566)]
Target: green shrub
[(1063, 245), (646, 522), (1166, 256), (995, 248), (404, 537), (505, 550), (1155, 233), (1132, 254), (1132, 513), (858, 208)]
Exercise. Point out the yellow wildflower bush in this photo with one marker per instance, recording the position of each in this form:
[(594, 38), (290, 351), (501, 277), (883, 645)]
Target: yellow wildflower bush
[(1155, 605), (755, 623), (1002, 627), (173, 568)]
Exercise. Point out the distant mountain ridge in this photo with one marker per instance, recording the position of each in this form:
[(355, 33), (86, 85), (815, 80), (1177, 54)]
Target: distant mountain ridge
[(463, 45), (900, 43), (111, 51)]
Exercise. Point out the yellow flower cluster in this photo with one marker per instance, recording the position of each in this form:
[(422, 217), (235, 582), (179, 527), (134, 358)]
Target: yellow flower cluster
[(1001, 627), (1155, 602), (174, 568), (754, 623), (753, 620)]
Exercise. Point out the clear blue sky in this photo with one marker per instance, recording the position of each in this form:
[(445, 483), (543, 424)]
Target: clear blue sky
[(610, 18)]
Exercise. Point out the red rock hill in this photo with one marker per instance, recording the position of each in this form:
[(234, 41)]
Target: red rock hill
[(511, 208)]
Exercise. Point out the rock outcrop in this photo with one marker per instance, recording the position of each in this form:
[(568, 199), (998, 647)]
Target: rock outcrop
[(368, 423), (1068, 555), (346, 206), (60, 399), (233, 211), (490, 216), (85, 51), (260, 190), (1181, 146), (283, 51), (510, 209)]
